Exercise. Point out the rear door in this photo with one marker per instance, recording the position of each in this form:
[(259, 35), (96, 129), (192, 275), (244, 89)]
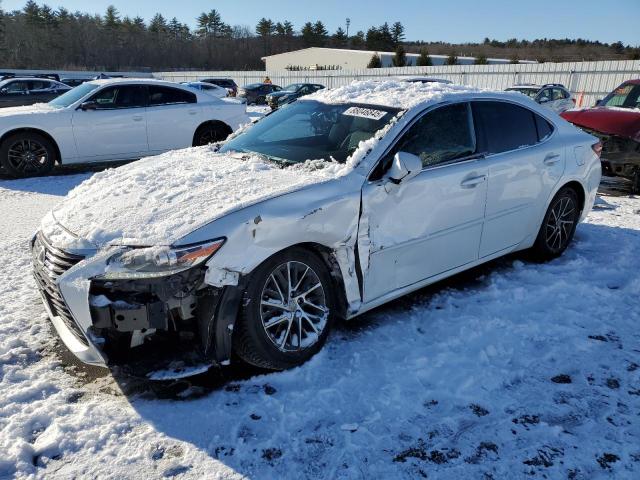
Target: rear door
[(116, 128), (172, 118), (524, 163), (43, 91)]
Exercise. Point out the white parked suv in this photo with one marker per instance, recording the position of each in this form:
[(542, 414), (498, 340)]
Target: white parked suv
[(112, 120), (553, 96), (344, 200)]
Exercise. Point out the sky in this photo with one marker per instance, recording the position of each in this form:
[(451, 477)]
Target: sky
[(429, 20)]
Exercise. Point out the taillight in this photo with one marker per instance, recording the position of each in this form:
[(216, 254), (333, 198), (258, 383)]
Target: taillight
[(597, 148)]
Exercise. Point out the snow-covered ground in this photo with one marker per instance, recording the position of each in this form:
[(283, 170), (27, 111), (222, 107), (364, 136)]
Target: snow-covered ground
[(514, 370)]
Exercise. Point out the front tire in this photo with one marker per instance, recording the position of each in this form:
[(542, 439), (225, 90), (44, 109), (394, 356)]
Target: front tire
[(559, 225), (27, 154), (287, 311)]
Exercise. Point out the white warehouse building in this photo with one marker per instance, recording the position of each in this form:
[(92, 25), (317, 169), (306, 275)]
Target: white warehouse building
[(318, 58)]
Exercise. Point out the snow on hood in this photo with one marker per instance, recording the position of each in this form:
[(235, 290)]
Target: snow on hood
[(158, 200), (390, 93), (28, 109)]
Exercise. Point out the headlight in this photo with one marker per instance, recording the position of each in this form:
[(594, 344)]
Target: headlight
[(153, 262)]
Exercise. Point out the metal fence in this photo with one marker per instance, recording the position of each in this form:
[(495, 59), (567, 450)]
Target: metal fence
[(588, 81)]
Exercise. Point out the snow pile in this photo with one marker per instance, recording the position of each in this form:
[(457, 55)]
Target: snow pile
[(391, 93), (159, 199)]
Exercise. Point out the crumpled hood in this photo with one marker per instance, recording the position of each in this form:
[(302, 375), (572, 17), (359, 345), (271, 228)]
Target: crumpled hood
[(157, 200), (623, 122)]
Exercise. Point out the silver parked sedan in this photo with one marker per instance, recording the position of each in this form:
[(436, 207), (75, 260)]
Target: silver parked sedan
[(342, 201)]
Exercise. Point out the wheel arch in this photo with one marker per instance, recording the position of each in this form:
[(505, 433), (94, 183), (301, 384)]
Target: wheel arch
[(579, 189), (39, 132), (213, 123)]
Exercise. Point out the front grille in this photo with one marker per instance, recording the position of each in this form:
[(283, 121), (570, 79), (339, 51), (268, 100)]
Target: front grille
[(48, 264)]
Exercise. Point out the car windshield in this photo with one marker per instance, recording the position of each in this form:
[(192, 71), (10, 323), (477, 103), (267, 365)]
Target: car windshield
[(530, 92), (626, 95), (73, 95), (293, 87), (310, 130)]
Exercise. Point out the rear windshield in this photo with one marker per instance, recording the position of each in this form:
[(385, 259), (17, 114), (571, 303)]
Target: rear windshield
[(311, 130)]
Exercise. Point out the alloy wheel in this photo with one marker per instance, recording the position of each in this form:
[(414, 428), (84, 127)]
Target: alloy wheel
[(293, 307), (28, 156), (560, 223)]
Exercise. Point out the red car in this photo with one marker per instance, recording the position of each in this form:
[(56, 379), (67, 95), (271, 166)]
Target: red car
[(616, 121)]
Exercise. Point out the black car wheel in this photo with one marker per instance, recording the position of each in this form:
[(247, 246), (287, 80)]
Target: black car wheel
[(287, 312), (27, 154), (210, 133), (558, 226)]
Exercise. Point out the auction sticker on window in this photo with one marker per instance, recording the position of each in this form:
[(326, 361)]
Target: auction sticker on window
[(364, 112)]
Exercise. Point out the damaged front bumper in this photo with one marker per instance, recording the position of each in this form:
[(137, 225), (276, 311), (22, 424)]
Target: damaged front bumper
[(140, 324)]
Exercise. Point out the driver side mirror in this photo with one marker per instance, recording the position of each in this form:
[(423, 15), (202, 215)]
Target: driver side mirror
[(404, 167), (598, 102), (88, 105), (4, 91)]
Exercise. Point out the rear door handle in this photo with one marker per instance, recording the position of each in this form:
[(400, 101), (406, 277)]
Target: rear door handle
[(137, 118), (192, 112), (473, 181), (552, 159)]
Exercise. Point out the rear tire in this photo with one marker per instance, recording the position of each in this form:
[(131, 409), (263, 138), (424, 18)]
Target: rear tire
[(558, 226), (287, 312), (210, 133), (27, 154)]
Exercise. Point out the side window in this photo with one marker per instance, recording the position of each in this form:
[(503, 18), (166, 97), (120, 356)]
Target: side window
[(159, 95), (121, 96), (544, 128), (505, 126), (17, 87), (39, 85), (440, 136), (544, 96), (558, 94)]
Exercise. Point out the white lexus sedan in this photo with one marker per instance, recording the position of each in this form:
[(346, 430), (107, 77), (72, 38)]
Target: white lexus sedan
[(323, 210), (112, 120)]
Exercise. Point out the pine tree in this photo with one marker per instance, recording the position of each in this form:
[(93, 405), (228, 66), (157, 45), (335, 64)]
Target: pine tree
[(397, 33), (400, 58), (375, 61), (452, 59), (424, 60), (265, 28), (308, 35), (339, 38), (111, 17), (320, 33), (158, 24), (481, 59)]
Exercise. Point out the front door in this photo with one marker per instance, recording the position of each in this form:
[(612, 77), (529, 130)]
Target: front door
[(431, 223), (115, 127)]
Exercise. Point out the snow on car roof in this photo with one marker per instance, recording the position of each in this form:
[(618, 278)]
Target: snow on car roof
[(392, 93)]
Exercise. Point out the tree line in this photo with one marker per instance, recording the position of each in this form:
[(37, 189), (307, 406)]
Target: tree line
[(39, 36)]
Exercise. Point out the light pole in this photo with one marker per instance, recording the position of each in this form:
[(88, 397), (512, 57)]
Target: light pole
[(348, 23)]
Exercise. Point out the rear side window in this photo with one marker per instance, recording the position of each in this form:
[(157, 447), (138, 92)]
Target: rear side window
[(168, 96), (440, 136), (504, 126), (544, 128)]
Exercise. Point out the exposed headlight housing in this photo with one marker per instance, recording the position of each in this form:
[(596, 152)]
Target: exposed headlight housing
[(152, 262)]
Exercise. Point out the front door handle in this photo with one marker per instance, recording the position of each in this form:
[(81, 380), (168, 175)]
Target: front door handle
[(552, 159), (473, 181), (137, 118), (192, 112)]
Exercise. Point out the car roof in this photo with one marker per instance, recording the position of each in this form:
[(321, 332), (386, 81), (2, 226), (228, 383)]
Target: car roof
[(201, 96), (407, 95)]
